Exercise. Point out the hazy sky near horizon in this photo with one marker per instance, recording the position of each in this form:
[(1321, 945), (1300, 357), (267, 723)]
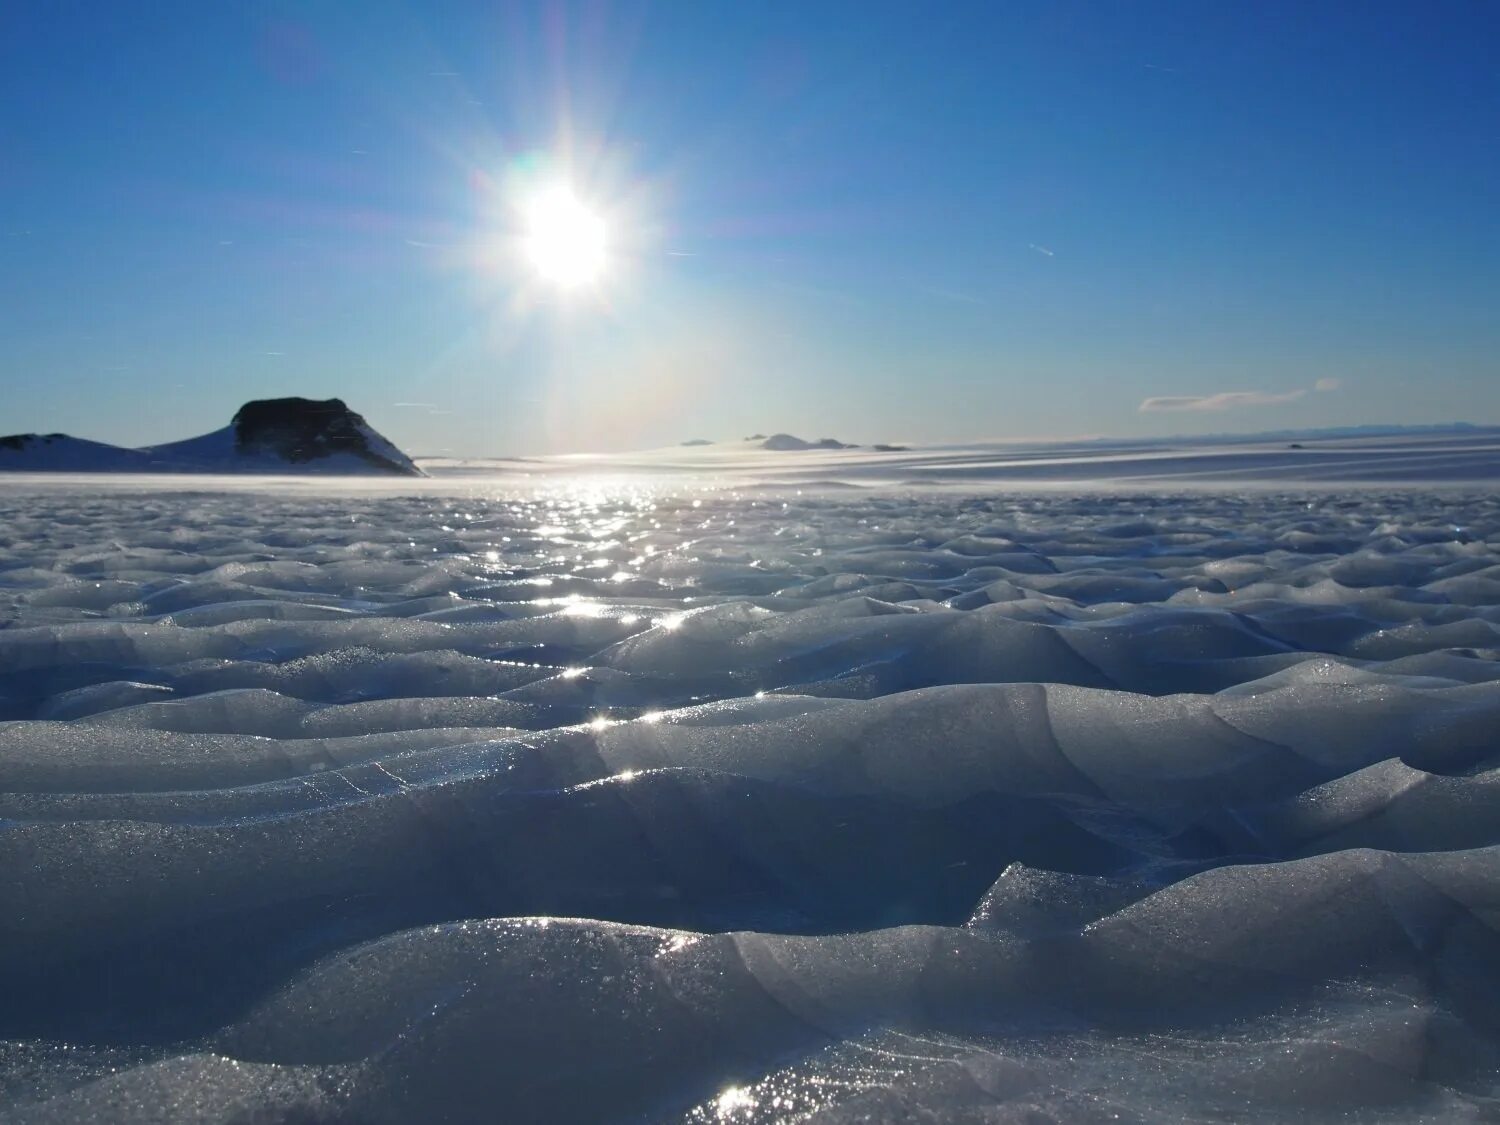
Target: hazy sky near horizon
[(877, 221)]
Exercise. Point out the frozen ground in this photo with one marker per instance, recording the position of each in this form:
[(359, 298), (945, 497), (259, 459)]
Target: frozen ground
[(681, 794)]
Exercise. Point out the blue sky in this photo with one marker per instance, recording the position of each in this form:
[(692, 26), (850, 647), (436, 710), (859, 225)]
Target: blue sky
[(916, 222)]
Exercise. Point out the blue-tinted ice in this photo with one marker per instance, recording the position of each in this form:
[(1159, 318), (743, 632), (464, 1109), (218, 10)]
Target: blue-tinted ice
[(674, 803)]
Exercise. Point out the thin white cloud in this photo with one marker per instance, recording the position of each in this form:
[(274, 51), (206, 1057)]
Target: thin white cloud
[(1225, 400), (1233, 400), (418, 405), (1041, 249)]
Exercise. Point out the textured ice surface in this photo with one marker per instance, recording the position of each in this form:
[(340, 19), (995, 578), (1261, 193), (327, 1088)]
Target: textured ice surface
[(623, 799)]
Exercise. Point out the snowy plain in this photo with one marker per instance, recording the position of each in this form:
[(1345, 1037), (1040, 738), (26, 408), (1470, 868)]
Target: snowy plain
[(1115, 783)]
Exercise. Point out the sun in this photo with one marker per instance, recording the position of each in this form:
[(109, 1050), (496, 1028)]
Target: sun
[(563, 240)]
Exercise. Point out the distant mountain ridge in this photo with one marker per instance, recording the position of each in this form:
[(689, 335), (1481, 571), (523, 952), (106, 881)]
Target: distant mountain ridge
[(278, 435), (785, 442)]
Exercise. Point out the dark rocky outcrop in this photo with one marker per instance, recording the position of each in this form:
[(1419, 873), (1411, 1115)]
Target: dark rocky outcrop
[(303, 429)]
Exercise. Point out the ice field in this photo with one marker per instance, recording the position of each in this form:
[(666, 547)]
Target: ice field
[(820, 787)]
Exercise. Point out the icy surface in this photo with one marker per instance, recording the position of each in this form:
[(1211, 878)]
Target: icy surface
[(666, 798)]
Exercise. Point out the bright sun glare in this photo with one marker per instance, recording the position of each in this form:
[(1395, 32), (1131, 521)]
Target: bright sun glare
[(564, 241)]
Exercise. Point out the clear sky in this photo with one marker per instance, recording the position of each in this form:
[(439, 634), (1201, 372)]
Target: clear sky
[(877, 221)]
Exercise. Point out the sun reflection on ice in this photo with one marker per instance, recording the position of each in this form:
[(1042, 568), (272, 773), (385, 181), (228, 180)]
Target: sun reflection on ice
[(676, 944), (735, 1099)]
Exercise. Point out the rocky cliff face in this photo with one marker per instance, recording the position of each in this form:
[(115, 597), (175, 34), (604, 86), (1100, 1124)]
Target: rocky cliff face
[(300, 430)]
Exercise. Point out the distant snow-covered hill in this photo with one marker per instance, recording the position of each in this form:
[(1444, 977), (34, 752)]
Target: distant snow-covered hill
[(788, 442), (62, 453), (282, 435)]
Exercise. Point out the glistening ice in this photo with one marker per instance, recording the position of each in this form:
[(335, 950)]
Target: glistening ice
[(633, 799)]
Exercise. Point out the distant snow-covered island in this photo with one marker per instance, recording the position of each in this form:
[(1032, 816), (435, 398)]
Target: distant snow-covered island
[(790, 443), (273, 436), (787, 443)]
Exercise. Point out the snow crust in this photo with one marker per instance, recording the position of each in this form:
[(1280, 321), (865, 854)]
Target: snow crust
[(678, 798)]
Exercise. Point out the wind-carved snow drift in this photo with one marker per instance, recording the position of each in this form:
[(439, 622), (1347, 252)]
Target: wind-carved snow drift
[(702, 806)]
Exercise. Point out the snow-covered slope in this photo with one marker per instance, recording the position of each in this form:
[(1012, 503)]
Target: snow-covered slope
[(62, 453), (273, 436)]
